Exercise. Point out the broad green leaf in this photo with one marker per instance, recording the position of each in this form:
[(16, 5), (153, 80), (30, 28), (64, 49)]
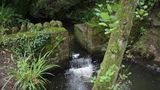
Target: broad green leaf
[(109, 8), (146, 14), (145, 6), (141, 3), (138, 16), (105, 15), (113, 18), (103, 24)]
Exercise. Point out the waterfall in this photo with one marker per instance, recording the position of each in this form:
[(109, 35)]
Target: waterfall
[(79, 73)]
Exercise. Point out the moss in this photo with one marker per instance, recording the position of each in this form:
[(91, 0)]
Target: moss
[(42, 38), (147, 47), (14, 29), (141, 44), (55, 23), (29, 34), (119, 37), (30, 30), (55, 29), (82, 38), (46, 24)]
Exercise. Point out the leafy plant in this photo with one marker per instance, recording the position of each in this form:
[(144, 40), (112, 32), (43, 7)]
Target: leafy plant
[(142, 30), (3, 30), (30, 71), (107, 77), (23, 44), (106, 15), (143, 8), (141, 12), (121, 81), (9, 17)]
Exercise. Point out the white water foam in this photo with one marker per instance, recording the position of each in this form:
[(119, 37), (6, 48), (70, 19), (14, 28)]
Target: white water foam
[(85, 72), (80, 72)]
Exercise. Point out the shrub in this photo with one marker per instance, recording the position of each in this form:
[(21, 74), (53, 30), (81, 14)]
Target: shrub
[(29, 73), (6, 16), (9, 17), (143, 8)]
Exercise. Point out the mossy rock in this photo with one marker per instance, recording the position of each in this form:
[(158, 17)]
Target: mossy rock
[(60, 45), (31, 27), (93, 40), (56, 34), (147, 48)]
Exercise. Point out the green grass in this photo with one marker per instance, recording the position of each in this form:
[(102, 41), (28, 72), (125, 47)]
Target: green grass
[(6, 15), (29, 73)]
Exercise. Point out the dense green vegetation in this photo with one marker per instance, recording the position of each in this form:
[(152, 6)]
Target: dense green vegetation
[(29, 29), (30, 76)]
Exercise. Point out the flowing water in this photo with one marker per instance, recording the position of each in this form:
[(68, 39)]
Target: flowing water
[(78, 73), (82, 67), (77, 76)]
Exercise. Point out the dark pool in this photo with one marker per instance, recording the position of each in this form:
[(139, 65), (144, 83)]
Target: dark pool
[(81, 67), (141, 78)]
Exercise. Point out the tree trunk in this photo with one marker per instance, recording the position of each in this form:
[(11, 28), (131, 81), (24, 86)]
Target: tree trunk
[(117, 44)]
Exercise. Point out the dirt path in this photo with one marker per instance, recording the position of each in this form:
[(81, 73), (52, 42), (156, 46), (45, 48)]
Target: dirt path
[(6, 64)]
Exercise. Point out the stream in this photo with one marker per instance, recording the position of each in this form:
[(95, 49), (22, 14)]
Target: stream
[(78, 73), (82, 67)]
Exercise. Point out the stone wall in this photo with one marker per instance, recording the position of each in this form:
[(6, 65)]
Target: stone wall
[(58, 38), (91, 39)]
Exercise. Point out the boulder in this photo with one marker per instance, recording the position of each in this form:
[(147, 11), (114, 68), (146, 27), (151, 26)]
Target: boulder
[(146, 50), (149, 45), (91, 38)]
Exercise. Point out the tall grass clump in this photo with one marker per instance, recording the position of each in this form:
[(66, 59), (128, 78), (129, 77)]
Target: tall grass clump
[(6, 15), (29, 73), (10, 18)]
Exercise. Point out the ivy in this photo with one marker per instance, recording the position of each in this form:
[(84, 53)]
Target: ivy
[(26, 45)]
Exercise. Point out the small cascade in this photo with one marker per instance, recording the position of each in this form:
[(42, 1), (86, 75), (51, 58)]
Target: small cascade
[(79, 73)]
